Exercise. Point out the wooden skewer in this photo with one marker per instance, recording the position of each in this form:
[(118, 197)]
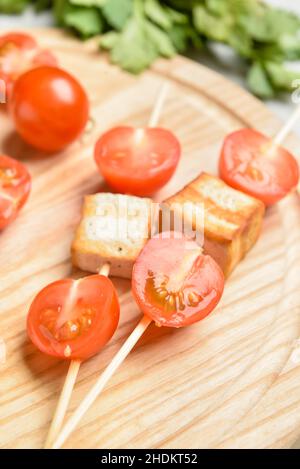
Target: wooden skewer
[(160, 101), (132, 339), (66, 393), (287, 127), (101, 382), (284, 131)]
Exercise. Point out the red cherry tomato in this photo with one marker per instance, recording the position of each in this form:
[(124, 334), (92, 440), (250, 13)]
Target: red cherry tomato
[(137, 161), (252, 163), (174, 283), (15, 184), (74, 319), (49, 107), (18, 53), (21, 40)]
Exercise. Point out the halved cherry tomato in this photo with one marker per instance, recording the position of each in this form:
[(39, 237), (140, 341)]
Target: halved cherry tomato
[(49, 107), (21, 40), (137, 161), (15, 184), (252, 163), (74, 319), (20, 52), (174, 283)]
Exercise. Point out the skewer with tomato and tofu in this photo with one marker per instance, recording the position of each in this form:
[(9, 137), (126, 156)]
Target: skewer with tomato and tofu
[(74, 319), (175, 285), (15, 185), (173, 282)]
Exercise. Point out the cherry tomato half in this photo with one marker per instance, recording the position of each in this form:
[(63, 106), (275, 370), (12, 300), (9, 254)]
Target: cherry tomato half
[(252, 163), (21, 40), (137, 161), (15, 184), (174, 283), (49, 107), (74, 319), (20, 52)]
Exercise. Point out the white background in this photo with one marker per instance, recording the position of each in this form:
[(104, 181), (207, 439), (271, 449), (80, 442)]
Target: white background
[(282, 108)]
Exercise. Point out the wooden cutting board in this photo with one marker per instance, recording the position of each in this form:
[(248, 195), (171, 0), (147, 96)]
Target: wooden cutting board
[(232, 380)]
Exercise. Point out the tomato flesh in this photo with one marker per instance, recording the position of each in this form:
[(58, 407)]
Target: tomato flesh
[(15, 185), (74, 319), (20, 52), (49, 107), (174, 283), (252, 163), (137, 161)]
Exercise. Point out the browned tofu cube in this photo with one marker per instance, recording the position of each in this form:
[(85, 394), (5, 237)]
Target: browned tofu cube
[(232, 220), (114, 228)]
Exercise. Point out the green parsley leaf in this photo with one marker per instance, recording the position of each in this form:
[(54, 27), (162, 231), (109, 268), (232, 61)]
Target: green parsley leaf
[(133, 51), (117, 12), (259, 82), (13, 6), (158, 14), (210, 25), (85, 21), (161, 40), (281, 77), (109, 40)]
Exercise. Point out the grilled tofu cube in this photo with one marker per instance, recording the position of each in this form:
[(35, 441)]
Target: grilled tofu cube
[(232, 220), (114, 228)]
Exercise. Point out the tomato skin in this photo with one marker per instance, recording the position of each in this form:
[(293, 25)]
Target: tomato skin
[(96, 292), (201, 287), (251, 163), (50, 108), (21, 40), (135, 173), (14, 190)]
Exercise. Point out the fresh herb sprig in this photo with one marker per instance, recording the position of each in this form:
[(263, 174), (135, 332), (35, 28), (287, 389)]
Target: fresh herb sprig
[(136, 32)]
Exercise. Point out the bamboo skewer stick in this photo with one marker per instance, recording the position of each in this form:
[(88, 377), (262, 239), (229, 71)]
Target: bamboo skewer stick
[(63, 401), (160, 101), (132, 339), (101, 382), (287, 127), (67, 390)]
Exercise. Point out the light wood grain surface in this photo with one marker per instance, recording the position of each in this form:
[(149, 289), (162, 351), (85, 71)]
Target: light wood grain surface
[(230, 381)]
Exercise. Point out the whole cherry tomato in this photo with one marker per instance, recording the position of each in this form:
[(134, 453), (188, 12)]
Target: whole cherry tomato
[(20, 52), (74, 319), (49, 107), (174, 283), (15, 184), (252, 163), (137, 161)]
